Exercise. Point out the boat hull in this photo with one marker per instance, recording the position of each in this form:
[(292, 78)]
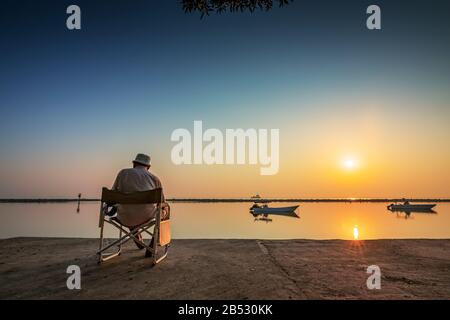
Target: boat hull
[(411, 207), (274, 210)]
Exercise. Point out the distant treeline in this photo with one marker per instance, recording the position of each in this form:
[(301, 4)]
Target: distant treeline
[(227, 200)]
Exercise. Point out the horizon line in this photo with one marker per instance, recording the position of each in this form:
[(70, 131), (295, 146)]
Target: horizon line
[(231, 200)]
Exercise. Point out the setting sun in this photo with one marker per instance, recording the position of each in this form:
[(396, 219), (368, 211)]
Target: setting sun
[(349, 163)]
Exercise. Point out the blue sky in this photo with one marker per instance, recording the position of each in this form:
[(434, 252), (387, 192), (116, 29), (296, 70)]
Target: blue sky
[(138, 70)]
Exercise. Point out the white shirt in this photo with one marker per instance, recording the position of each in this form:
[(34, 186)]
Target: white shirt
[(134, 180)]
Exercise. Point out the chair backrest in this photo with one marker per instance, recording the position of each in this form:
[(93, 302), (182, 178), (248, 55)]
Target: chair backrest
[(115, 197)]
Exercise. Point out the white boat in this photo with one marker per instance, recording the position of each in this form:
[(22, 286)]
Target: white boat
[(267, 210), (411, 207)]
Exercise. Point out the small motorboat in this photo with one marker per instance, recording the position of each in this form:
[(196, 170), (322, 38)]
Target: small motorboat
[(267, 210), (408, 207)]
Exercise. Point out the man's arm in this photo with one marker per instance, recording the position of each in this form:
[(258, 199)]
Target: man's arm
[(158, 184), (115, 186), (164, 205)]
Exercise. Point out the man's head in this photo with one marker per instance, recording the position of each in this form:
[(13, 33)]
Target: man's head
[(142, 160)]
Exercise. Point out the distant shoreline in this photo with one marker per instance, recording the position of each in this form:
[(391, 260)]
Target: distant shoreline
[(237, 200)]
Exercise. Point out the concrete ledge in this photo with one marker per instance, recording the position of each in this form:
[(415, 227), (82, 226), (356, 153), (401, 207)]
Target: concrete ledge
[(35, 268)]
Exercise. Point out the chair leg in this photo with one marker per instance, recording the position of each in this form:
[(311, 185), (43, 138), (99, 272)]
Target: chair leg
[(100, 245), (107, 256), (120, 243), (166, 251), (157, 260), (155, 245), (128, 236)]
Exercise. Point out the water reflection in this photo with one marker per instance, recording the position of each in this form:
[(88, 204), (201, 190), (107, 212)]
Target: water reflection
[(407, 214), (266, 216), (79, 199), (355, 233), (232, 220)]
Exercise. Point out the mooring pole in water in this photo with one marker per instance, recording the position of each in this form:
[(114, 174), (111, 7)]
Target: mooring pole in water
[(79, 199)]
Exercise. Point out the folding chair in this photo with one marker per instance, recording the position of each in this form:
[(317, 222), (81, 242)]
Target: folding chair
[(145, 197)]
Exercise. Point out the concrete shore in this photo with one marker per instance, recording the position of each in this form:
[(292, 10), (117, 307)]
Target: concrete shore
[(35, 268)]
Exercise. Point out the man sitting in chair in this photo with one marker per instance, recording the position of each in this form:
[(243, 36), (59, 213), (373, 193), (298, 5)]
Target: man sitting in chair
[(132, 180)]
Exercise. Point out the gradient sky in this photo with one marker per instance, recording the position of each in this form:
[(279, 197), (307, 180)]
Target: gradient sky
[(76, 106)]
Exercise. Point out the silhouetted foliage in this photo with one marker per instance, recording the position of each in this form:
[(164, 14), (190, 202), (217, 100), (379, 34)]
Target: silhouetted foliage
[(205, 7)]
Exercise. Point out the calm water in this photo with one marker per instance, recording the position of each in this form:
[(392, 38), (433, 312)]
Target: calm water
[(233, 220)]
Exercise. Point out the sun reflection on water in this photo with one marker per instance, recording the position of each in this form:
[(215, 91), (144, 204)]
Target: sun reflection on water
[(355, 232)]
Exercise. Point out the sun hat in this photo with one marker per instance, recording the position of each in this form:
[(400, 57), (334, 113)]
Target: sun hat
[(143, 159)]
